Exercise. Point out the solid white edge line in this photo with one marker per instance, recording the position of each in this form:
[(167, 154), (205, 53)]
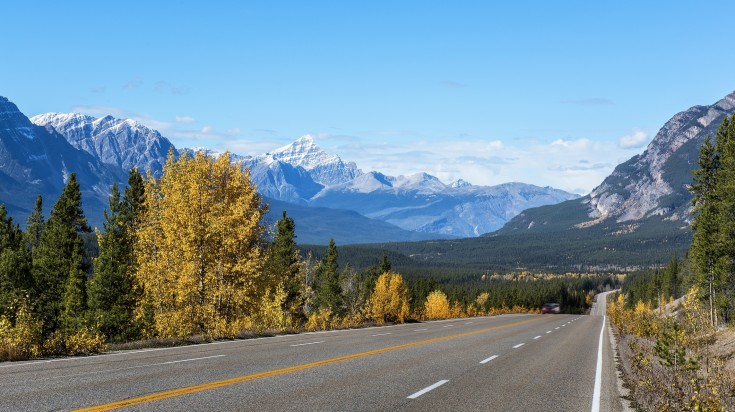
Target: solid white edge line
[(427, 389), (310, 343), (598, 372), (484, 361), (519, 345)]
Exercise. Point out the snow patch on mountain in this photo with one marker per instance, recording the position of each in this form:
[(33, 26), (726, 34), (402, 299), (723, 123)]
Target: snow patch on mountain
[(324, 168), (124, 143)]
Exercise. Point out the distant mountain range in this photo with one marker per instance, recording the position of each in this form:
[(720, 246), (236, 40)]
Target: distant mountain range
[(302, 177), (636, 215)]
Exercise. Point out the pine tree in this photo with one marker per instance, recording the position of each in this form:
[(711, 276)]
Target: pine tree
[(328, 282), (133, 204), (704, 248), (385, 265), (111, 296), (283, 264), (73, 301), (35, 225), (725, 198), (59, 254), (15, 277)]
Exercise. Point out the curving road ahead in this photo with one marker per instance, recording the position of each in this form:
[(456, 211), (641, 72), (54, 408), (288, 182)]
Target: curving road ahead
[(499, 363)]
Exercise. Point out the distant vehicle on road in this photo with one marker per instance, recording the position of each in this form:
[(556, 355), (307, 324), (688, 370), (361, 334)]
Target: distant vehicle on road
[(550, 308)]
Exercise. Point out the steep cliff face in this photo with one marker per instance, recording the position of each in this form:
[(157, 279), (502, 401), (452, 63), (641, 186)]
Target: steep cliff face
[(35, 160), (651, 188), (636, 188)]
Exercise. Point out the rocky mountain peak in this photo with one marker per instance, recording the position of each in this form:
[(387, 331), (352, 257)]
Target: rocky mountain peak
[(12, 118), (635, 188), (124, 143), (324, 168), (303, 152)]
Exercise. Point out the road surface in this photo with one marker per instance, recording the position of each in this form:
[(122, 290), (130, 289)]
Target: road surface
[(499, 363)]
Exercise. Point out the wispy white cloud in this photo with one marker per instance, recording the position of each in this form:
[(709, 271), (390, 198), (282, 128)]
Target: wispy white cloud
[(185, 119), (633, 141), (576, 165)]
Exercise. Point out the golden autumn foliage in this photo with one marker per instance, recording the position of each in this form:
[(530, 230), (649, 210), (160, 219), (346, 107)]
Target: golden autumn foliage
[(319, 320), (199, 251), (389, 301), (482, 299), (22, 340), (669, 355), (457, 311), (436, 306)]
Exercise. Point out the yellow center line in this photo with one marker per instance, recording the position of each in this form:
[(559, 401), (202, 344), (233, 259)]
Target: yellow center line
[(226, 382)]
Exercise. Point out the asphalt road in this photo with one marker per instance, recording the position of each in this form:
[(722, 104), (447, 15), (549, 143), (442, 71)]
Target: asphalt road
[(499, 363)]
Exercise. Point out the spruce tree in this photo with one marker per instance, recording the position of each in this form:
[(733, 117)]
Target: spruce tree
[(704, 250), (283, 263), (111, 297), (73, 300), (35, 225), (673, 270), (15, 279), (385, 265), (725, 198), (328, 282), (59, 254), (133, 204)]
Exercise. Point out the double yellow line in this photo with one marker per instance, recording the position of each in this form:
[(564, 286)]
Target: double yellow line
[(226, 382)]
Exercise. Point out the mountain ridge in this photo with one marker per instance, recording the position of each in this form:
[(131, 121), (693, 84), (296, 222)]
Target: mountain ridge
[(304, 174)]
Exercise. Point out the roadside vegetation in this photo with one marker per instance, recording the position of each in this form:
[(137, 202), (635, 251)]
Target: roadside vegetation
[(186, 257), (675, 325)]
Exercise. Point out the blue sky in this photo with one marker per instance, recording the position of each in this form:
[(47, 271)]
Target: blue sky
[(549, 93)]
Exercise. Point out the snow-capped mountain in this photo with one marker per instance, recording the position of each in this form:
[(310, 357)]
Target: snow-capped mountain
[(35, 160), (304, 174), (324, 168), (124, 143)]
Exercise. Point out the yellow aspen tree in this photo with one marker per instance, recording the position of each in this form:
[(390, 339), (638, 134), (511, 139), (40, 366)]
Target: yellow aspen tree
[(199, 250), (436, 305), (389, 301)]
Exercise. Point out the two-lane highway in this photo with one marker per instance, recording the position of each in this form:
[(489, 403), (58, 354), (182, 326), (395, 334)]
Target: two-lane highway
[(510, 362)]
